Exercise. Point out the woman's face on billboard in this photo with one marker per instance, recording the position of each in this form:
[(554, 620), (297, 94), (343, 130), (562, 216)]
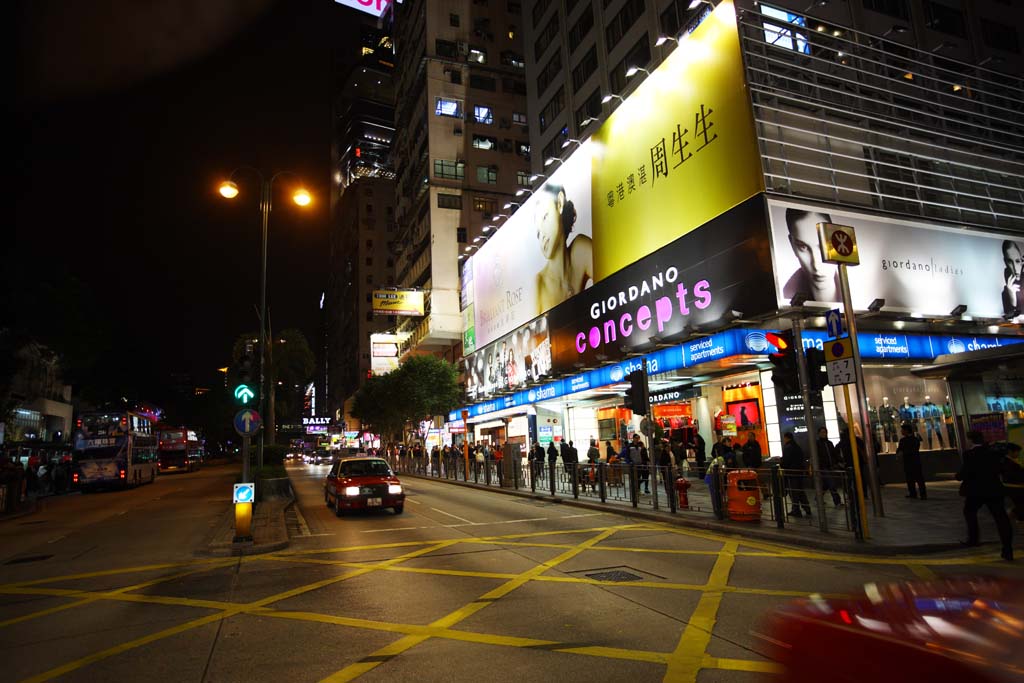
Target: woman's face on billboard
[(549, 223)]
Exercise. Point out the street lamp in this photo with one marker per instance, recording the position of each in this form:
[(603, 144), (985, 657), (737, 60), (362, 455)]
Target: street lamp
[(230, 190), (634, 70), (611, 96)]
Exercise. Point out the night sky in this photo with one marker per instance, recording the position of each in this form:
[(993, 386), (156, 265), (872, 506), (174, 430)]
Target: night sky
[(127, 117)]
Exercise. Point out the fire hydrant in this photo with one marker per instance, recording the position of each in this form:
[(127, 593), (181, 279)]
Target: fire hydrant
[(682, 485)]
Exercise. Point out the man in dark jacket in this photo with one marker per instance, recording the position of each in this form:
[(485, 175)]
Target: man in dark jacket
[(552, 453), (829, 461), (846, 453), (700, 448), (982, 486), (909, 449), (795, 466), (639, 456), (752, 452)]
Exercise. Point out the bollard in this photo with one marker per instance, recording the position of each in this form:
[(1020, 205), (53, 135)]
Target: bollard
[(575, 476), (551, 476), (668, 489), (634, 486), (778, 502), (602, 479)]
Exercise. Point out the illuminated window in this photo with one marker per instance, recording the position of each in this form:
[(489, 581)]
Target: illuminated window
[(483, 114), (523, 178), (448, 107), (487, 174), (485, 142), (785, 36)]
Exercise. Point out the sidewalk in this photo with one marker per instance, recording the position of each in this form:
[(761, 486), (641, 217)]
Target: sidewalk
[(269, 532), (910, 526)]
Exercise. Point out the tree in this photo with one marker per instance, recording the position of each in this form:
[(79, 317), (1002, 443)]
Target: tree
[(423, 386)]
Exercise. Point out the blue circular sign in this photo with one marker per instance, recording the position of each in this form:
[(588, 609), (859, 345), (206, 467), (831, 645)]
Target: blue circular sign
[(247, 422)]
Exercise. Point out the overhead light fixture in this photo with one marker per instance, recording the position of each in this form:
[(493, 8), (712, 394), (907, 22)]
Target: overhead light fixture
[(508, 205), (521, 191), (611, 96), (694, 4), (876, 305), (799, 299), (634, 70), (551, 160), (959, 310), (662, 39), (587, 121), (487, 228), (569, 141), (537, 176)]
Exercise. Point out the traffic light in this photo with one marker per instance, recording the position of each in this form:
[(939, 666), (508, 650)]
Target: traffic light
[(817, 376), (785, 374), (636, 395), (245, 393)]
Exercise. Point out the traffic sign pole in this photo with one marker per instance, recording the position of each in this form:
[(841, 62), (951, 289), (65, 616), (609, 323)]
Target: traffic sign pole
[(243, 511), (812, 436), (245, 459), (857, 476), (858, 368)]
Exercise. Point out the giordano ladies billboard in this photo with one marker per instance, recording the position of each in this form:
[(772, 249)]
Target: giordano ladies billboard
[(679, 151)]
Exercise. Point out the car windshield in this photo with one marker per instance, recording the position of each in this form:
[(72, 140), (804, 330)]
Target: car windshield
[(362, 468)]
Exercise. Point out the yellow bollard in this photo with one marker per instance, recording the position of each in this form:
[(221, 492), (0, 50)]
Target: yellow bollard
[(243, 522)]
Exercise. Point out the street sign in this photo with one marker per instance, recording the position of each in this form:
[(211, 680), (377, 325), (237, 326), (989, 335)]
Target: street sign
[(838, 244), (247, 422), (244, 493), (244, 394), (834, 323), (839, 362), (838, 349)]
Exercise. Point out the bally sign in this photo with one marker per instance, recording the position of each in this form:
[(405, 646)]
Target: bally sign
[(307, 421)]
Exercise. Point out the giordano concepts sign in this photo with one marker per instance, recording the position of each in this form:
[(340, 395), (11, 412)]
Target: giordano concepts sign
[(667, 161)]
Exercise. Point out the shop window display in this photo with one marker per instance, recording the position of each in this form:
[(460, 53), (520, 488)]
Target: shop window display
[(896, 397)]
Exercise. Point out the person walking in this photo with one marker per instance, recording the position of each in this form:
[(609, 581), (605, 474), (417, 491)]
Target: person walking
[(795, 465), (664, 465), (639, 456), (909, 448), (829, 460), (981, 486)]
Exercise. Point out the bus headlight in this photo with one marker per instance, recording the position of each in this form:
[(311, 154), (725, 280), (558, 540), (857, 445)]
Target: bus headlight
[(351, 490)]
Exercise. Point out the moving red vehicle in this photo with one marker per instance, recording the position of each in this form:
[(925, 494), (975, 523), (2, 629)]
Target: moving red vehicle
[(179, 448), (963, 629), (363, 483)]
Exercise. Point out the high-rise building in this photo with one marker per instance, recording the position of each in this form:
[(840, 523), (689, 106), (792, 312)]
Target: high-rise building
[(362, 216), (461, 149)]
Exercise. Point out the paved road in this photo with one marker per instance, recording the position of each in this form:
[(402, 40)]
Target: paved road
[(465, 585)]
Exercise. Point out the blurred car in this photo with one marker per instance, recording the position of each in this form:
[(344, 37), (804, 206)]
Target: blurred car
[(961, 629), (323, 457), (359, 483), (291, 456)]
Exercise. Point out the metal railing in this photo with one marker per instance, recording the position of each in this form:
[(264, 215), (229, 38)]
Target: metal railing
[(782, 497)]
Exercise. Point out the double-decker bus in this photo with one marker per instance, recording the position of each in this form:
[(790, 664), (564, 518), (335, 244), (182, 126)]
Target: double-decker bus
[(179, 448), (113, 449)]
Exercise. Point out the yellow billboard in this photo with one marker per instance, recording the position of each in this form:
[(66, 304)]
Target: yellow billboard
[(397, 302), (680, 149)]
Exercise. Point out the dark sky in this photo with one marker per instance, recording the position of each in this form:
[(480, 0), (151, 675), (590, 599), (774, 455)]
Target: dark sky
[(128, 114)]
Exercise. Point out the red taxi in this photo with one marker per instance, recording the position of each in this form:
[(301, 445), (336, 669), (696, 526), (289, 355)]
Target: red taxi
[(363, 484), (958, 629)]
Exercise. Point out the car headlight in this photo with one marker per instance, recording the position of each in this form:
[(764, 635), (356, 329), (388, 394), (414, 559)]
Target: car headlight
[(351, 490), (394, 488)]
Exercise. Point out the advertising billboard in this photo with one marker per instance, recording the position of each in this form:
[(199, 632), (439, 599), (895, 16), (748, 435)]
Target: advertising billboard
[(373, 7), (680, 150), (397, 302), (540, 257), (512, 362), (915, 267)]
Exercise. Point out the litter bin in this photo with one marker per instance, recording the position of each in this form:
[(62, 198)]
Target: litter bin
[(743, 496)]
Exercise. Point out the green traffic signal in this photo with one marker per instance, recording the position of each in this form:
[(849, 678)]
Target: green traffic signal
[(244, 394)]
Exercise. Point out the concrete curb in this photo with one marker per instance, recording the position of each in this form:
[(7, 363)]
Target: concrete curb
[(35, 507), (270, 524), (737, 532)]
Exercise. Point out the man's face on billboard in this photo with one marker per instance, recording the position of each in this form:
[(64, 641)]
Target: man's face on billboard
[(1012, 258)]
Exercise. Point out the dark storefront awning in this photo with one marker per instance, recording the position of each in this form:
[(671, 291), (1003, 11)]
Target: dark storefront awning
[(974, 364)]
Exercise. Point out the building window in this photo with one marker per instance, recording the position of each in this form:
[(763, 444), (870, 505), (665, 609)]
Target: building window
[(485, 205), (483, 114), (549, 72), (583, 70), (477, 55), (539, 8), (516, 86), (523, 149), (444, 106), (945, 19), (523, 178), (449, 201), (455, 76), (453, 20), (452, 170), (460, 235), (487, 174), (513, 59), (519, 118), (369, 260), (482, 82), (514, 7), (591, 109), (1000, 36), (582, 27), (784, 35), (547, 37), (893, 8), (622, 22), (485, 142), (446, 48), (638, 56), (552, 109)]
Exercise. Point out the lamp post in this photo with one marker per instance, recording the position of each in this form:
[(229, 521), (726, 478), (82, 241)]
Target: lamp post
[(229, 190)]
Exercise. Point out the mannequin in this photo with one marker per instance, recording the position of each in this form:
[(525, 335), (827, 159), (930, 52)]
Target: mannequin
[(908, 412), (932, 416), (874, 419), (887, 415)]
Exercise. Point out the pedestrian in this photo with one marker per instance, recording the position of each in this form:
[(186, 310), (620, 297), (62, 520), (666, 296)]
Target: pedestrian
[(752, 452), (717, 464), (980, 485), (794, 466), (829, 461), (664, 464), (909, 448), (639, 456), (609, 452), (724, 450), (846, 453), (552, 453), (1013, 479), (699, 447)]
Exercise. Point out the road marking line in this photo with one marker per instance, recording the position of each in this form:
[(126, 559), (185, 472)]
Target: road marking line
[(685, 663), (922, 572), (729, 664), (412, 500), (303, 527), (112, 572), (353, 671), (44, 612), (461, 519), (54, 540)]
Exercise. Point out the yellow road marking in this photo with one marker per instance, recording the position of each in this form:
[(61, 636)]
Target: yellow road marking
[(922, 572), (353, 671), (728, 664), (112, 572), (688, 658)]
